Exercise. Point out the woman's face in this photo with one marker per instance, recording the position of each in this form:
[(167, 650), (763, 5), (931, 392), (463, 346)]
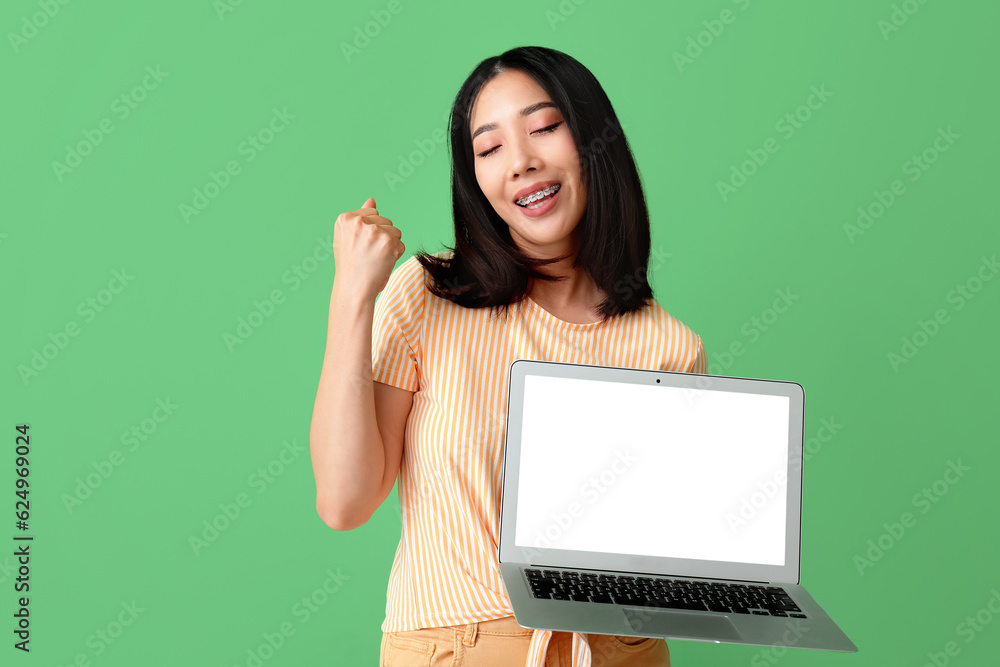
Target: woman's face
[(521, 145)]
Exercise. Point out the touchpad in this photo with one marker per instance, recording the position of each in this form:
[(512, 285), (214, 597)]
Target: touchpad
[(649, 620)]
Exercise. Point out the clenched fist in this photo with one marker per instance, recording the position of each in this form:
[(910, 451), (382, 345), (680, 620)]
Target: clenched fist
[(366, 247)]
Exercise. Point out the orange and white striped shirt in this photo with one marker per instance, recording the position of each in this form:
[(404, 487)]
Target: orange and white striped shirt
[(456, 361)]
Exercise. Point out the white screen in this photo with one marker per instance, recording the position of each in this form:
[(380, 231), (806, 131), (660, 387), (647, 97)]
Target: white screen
[(653, 471)]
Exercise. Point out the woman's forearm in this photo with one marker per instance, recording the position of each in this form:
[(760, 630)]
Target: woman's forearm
[(347, 451)]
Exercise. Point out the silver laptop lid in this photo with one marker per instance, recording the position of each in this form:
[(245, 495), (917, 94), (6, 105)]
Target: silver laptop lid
[(652, 471)]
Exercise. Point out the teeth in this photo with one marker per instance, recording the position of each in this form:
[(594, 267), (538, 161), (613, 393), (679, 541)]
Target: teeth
[(552, 189)]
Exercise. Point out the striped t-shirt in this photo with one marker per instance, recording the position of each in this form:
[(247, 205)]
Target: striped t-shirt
[(456, 362)]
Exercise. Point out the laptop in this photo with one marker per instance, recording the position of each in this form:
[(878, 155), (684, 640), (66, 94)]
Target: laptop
[(657, 504)]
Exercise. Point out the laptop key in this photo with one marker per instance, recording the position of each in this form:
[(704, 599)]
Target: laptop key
[(627, 598)]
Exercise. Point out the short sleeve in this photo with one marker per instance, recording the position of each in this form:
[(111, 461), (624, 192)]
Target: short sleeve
[(396, 327), (700, 363)]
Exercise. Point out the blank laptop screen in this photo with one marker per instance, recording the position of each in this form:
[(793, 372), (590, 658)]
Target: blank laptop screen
[(653, 470)]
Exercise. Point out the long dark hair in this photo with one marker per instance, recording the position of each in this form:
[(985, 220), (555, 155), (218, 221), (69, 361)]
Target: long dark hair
[(486, 268)]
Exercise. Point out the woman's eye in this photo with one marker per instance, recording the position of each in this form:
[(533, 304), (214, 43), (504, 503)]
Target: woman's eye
[(550, 128), (485, 153)]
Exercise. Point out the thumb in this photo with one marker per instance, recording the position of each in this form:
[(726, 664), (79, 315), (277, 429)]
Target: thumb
[(369, 203)]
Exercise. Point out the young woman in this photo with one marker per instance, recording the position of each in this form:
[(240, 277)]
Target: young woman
[(551, 247)]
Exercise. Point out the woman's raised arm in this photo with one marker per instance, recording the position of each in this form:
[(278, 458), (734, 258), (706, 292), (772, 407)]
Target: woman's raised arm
[(356, 435)]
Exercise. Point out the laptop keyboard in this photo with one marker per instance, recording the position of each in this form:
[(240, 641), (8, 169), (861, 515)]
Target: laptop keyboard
[(642, 591)]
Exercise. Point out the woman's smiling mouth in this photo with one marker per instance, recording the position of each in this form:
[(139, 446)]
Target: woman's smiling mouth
[(542, 202), (526, 202)]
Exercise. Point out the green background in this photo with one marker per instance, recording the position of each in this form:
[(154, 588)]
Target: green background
[(361, 115)]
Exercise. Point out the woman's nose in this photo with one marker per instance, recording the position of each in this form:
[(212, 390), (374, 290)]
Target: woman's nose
[(521, 156)]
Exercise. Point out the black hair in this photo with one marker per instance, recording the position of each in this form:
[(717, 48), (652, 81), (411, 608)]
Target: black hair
[(486, 267)]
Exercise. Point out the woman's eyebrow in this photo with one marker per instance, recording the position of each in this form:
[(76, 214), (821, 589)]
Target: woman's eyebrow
[(526, 111)]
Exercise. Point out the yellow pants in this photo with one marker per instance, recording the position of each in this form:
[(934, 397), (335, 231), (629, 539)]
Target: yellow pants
[(503, 643)]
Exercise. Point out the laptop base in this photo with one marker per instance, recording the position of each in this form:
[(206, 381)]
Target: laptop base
[(816, 631)]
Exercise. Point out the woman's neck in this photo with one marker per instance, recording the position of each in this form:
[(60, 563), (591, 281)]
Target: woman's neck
[(574, 299)]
